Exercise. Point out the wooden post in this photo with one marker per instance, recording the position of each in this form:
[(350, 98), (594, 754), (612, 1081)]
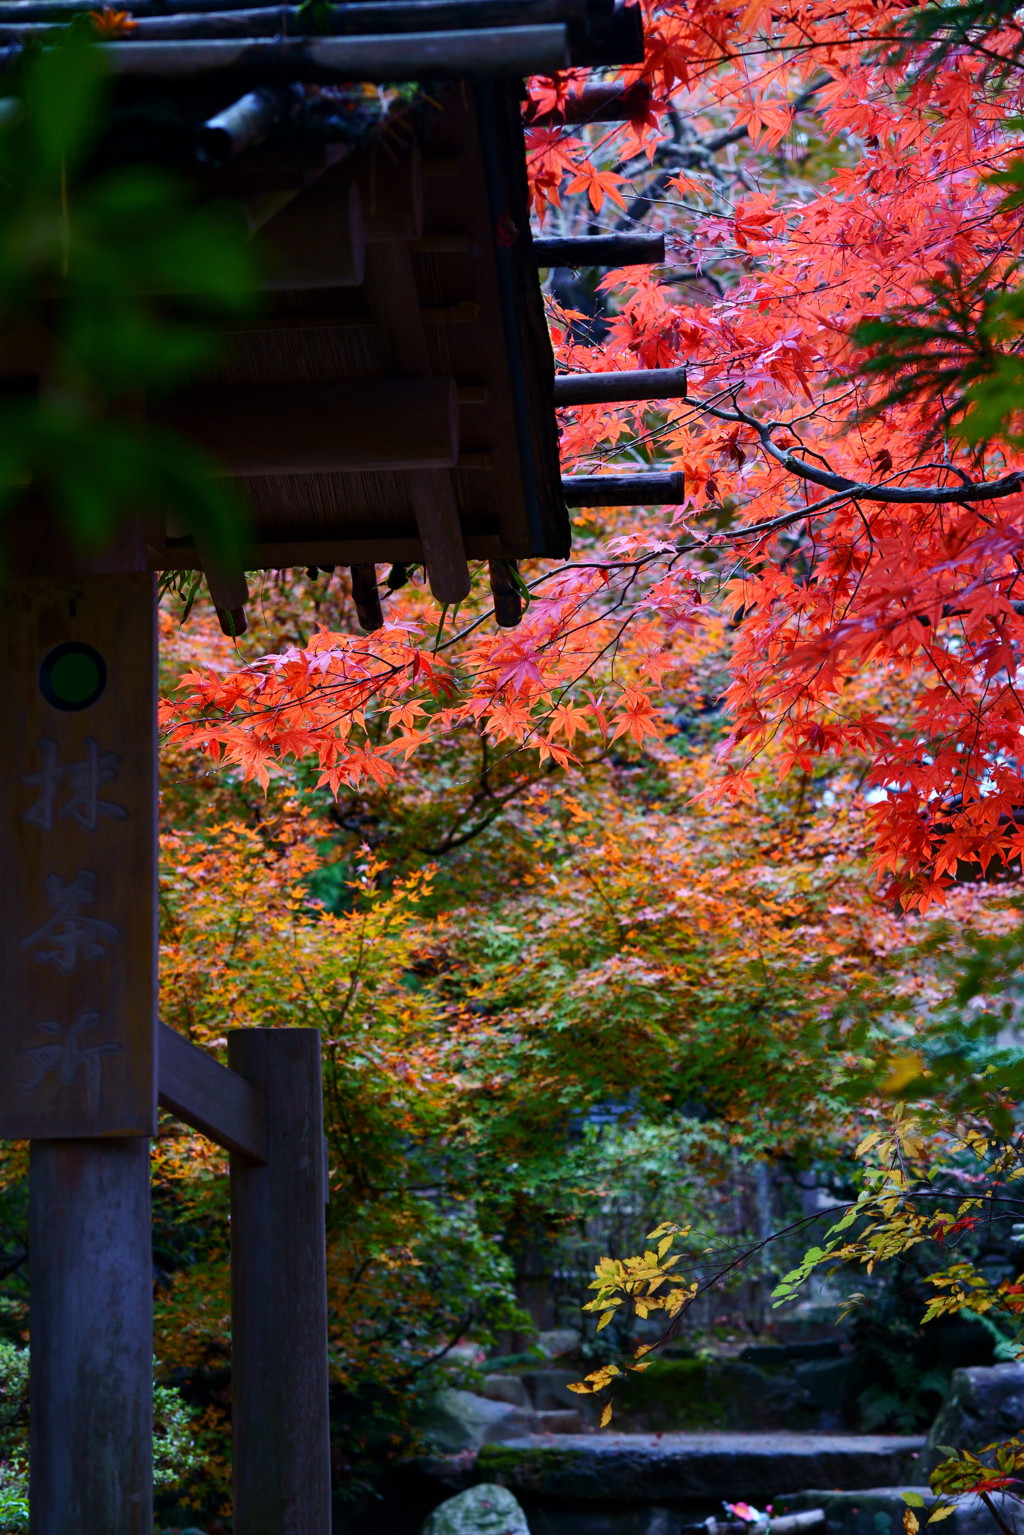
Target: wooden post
[(77, 1056), (91, 1277), (78, 858), (281, 1452)]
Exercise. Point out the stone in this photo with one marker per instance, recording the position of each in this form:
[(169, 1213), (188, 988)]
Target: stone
[(462, 1420), (773, 1355), (984, 1404), (880, 1510), (558, 1341), (549, 1389), (691, 1469), (828, 1382), (561, 1420), (696, 1395), (486, 1509), (505, 1388)]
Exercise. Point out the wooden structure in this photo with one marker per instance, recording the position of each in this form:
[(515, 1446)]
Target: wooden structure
[(393, 402), (401, 278)]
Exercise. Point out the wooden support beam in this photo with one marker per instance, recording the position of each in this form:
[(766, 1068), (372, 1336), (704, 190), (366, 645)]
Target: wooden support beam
[(366, 596), (316, 240), (466, 312), (284, 553), (91, 1297), (601, 250), (624, 384), (212, 1099), (508, 599), (193, 18), (229, 593), (340, 428), (445, 242), (648, 489), (281, 1431), (244, 124), (78, 845), (598, 104), (390, 186), (393, 298), (508, 53), (609, 41)]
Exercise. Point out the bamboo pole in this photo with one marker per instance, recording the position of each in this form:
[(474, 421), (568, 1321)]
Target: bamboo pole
[(369, 16), (649, 489), (509, 53), (624, 384), (598, 104), (245, 124), (601, 250)]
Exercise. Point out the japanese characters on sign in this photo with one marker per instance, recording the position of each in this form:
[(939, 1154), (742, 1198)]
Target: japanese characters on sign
[(77, 834)]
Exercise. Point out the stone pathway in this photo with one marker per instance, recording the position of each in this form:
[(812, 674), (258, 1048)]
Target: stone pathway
[(657, 1484)]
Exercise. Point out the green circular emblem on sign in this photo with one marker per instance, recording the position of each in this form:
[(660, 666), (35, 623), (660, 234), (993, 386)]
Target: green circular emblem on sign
[(72, 676)]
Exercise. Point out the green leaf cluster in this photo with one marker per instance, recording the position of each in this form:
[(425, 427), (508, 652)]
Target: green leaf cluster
[(110, 280)]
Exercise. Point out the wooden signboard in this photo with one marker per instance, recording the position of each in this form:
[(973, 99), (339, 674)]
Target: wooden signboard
[(78, 858)]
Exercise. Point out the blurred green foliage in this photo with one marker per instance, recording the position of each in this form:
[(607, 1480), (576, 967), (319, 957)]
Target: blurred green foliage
[(110, 279)]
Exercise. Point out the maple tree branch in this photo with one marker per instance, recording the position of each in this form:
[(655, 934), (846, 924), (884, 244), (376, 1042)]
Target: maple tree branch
[(986, 1498), (864, 490)]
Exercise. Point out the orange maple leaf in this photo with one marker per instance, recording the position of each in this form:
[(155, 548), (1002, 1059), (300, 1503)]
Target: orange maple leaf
[(113, 23)]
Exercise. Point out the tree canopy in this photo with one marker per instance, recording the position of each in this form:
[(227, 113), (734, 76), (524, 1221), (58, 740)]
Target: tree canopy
[(840, 192)]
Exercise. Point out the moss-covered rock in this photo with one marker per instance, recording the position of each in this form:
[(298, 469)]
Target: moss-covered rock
[(697, 1395), (486, 1509)]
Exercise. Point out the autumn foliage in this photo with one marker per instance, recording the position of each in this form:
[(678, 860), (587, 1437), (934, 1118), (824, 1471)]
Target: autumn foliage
[(840, 198)]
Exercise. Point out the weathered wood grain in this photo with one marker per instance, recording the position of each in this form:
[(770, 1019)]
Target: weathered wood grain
[(393, 298), (212, 1099), (651, 487), (78, 858), (281, 1439), (650, 384), (317, 240), (321, 551), (91, 1290), (508, 53), (349, 427), (600, 250)]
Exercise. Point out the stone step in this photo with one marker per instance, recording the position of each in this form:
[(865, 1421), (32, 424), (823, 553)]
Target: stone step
[(880, 1511), (692, 1470)]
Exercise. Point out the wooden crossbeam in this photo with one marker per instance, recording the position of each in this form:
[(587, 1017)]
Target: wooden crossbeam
[(598, 104), (394, 300), (649, 489), (200, 18), (507, 54), (316, 240), (620, 385), (348, 427), (601, 250), (212, 1099), (284, 553)]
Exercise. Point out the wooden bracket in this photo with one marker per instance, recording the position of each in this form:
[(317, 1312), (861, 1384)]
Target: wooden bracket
[(394, 301), (366, 597), (211, 1098), (229, 592)]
